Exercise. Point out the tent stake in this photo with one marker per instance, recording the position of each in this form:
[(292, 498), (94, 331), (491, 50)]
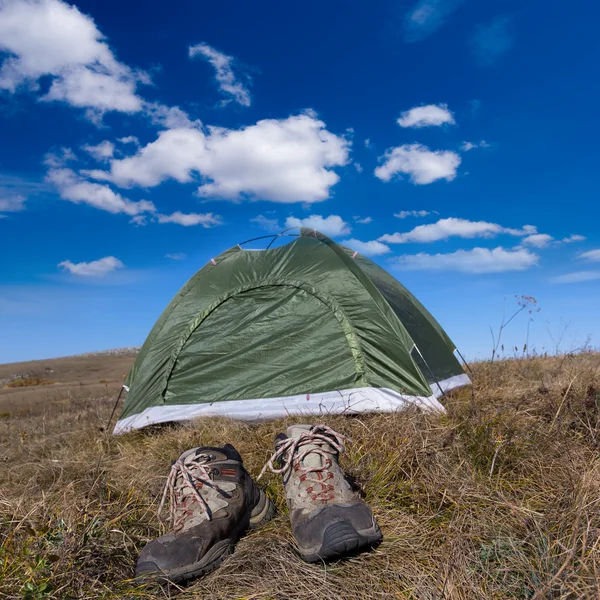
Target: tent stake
[(112, 414)]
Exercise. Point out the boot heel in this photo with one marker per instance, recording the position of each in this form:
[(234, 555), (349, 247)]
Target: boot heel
[(263, 511)]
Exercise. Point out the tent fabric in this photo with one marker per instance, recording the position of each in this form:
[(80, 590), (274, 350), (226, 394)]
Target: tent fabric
[(305, 328), (437, 364)]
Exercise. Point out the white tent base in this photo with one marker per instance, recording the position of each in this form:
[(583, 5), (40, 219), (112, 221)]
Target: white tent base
[(452, 383), (352, 401)]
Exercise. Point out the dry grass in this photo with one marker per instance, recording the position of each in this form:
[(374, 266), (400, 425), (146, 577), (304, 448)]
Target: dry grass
[(28, 382), (500, 498)]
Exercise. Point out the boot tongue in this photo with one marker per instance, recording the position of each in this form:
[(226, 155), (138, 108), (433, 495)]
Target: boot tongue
[(312, 460)]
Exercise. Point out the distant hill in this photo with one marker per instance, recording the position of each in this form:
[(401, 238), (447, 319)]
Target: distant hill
[(29, 386)]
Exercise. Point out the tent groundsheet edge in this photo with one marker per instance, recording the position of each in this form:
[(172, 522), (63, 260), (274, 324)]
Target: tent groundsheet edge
[(452, 383), (351, 401)]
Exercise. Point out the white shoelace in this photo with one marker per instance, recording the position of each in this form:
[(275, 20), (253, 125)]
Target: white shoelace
[(292, 451), (191, 473)]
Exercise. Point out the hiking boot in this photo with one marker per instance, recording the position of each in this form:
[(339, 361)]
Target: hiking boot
[(213, 503), (328, 517)]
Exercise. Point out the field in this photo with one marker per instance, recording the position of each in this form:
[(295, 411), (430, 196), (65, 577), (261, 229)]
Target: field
[(500, 498)]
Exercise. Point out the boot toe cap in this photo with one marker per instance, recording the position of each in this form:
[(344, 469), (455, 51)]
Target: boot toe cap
[(164, 555), (335, 530)]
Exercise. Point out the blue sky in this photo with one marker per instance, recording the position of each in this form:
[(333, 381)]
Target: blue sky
[(453, 141)]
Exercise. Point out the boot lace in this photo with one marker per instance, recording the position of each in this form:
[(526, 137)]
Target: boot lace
[(290, 453), (192, 473)]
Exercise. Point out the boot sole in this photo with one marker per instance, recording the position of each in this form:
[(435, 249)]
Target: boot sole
[(263, 511), (342, 538)]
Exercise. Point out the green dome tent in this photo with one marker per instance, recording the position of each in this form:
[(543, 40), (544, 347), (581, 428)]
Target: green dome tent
[(309, 327)]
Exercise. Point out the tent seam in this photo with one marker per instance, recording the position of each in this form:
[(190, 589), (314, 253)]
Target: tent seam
[(352, 338)]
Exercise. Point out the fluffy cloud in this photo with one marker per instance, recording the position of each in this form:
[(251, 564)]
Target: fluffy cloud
[(426, 17), (432, 115), (224, 74), (102, 151), (453, 227), (333, 225), (577, 277), (372, 248), (491, 40), (176, 256), (590, 255), (466, 146), (478, 260), (96, 268), (403, 214), (53, 38), (419, 162), (206, 220), (14, 203), (285, 161), (363, 220), (538, 240), (74, 188)]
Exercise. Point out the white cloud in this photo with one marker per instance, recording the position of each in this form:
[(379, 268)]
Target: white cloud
[(403, 214), (573, 238), (59, 158), (538, 240), (12, 203), (577, 277), (590, 255), (368, 144), (74, 188), (206, 220), (16, 191), (96, 268), (363, 220), (426, 17), (333, 225), (466, 146), (453, 227), (130, 139), (53, 38), (477, 260), (139, 220), (432, 115), (225, 76), (174, 155), (372, 248), (491, 40), (166, 117), (358, 167), (285, 161), (176, 256), (420, 163), (270, 225), (102, 151)]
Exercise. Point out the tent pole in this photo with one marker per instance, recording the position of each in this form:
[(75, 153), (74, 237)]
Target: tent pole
[(431, 373), (464, 361), (112, 414)]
